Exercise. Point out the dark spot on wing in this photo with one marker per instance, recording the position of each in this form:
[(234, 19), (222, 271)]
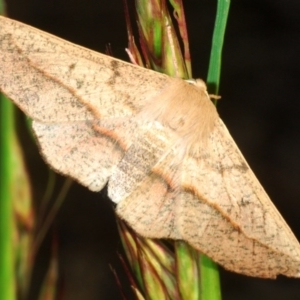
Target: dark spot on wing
[(114, 66)]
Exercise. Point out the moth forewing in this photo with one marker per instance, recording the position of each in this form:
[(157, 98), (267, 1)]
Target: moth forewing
[(225, 191), (77, 150), (105, 85), (174, 169)]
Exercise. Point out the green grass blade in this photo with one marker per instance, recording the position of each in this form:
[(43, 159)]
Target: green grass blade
[(7, 276), (210, 280), (16, 215), (214, 70), (188, 271)]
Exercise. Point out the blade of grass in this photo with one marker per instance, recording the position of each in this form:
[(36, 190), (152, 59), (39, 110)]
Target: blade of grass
[(2, 8), (188, 277), (210, 281), (7, 276), (16, 212), (214, 69)]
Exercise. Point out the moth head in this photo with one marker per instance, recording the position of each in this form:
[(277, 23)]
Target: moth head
[(201, 85), (198, 83), (183, 107)]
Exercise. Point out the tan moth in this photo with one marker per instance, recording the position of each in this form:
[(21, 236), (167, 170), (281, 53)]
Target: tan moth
[(169, 161)]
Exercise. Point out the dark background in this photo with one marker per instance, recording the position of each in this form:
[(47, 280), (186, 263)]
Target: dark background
[(260, 106)]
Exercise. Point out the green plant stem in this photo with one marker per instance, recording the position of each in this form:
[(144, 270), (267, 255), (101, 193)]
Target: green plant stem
[(7, 275), (2, 7), (214, 70), (7, 278), (210, 280)]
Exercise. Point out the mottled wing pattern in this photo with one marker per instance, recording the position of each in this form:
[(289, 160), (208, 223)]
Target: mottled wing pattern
[(149, 209), (174, 169), (69, 91), (227, 214), (145, 183), (84, 150), (55, 74)]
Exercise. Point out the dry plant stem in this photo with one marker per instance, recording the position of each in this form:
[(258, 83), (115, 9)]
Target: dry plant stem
[(159, 43), (132, 50), (51, 215), (180, 17)]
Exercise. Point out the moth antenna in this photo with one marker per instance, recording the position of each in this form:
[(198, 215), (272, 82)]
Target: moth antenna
[(214, 97)]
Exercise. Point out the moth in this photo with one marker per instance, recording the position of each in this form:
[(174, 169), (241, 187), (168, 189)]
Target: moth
[(170, 164)]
